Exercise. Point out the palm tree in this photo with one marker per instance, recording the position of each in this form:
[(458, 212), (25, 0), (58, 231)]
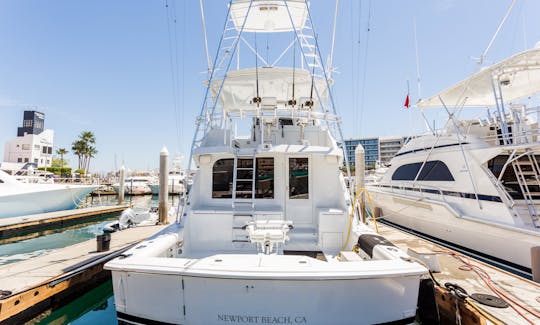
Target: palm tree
[(90, 153), (84, 149), (61, 152), (89, 139), (79, 148)]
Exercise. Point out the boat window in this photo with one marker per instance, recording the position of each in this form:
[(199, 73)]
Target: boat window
[(434, 170), (222, 178), (298, 178), (264, 185)]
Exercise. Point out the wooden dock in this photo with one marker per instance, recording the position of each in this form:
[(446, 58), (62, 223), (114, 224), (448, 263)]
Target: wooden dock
[(474, 277), (16, 226), (29, 287)]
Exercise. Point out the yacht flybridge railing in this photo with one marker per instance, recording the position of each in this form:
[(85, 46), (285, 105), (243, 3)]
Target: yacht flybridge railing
[(277, 113), (524, 137)]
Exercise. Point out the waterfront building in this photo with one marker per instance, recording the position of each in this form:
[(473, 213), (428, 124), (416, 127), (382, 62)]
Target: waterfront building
[(378, 150), (389, 147), (33, 143)]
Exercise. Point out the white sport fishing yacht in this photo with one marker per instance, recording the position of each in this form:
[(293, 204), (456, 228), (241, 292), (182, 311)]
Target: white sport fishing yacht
[(20, 199), (268, 233), (476, 183)]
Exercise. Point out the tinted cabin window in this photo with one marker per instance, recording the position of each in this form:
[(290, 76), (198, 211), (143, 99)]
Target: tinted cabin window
[(265, 178), (222, 178), (298, 178), (434, 170)]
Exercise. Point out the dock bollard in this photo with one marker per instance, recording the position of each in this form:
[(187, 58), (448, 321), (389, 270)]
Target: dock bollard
[(121, 185), (163, 203), (535, 263), (103, 242)]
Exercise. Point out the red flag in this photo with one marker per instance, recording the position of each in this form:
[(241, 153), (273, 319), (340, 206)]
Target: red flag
[(407, 103)]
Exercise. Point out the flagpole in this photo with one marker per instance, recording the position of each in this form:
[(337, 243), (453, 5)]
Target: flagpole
[(410, 114)]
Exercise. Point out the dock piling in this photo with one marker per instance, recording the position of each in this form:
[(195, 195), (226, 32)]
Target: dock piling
[(122, 184), (359, 177), (163, 185), (535, 263)]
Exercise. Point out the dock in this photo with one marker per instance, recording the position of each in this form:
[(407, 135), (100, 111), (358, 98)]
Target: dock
[(30, 287), (16, 226), (472, 277)]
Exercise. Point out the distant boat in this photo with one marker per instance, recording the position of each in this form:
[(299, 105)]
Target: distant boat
[(176, 183), (135, 186), (19, 199)]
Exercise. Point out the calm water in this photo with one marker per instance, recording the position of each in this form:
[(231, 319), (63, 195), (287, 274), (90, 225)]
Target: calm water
[(94, 307), (97, 305)]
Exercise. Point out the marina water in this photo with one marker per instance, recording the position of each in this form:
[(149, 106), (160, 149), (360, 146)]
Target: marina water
[(97, 305)]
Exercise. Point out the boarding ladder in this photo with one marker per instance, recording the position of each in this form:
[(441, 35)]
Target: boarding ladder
[(243, 195), (527, 174)]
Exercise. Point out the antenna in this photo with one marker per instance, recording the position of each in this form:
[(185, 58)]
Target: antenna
[(292, 102), (257, 99), (483, 56), (309, 103), (209, 65), (331, 61)]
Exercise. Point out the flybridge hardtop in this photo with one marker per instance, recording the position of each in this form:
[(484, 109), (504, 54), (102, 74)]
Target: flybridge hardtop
[(268, 223), (269, 16), (275, 88), (517, 77)]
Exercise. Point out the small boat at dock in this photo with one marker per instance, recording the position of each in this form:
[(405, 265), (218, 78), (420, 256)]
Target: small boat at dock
[(19, 199)]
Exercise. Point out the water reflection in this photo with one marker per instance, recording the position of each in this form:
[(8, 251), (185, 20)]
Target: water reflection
[(94, 307)]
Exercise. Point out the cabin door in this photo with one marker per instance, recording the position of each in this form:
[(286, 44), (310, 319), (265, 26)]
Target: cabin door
[(299, 194)]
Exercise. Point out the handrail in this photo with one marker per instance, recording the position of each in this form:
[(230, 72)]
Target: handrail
[(513, 135)]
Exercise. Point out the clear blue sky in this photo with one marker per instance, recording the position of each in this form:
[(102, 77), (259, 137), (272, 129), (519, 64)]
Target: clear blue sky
[(104, 66)]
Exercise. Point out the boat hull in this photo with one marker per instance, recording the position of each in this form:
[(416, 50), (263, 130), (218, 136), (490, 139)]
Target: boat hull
[(180, 299), (436, 220), (174, 189), (62, 198), (134, 189)]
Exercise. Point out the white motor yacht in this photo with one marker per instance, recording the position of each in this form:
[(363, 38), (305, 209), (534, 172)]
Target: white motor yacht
[(135, 185), (176, 183), (475, 183), (268, 233), (20, 199)]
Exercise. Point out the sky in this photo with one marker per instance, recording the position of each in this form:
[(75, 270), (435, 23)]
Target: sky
[(111, 67)]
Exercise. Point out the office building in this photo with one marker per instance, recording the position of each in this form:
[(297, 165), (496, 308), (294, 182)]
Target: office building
[(377, 149), (33, 144)]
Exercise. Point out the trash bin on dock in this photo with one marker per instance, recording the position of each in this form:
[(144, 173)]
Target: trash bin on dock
[(103, 242)]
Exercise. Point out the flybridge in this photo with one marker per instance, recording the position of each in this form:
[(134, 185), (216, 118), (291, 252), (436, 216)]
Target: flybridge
[(269, 16), (299, 90)]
